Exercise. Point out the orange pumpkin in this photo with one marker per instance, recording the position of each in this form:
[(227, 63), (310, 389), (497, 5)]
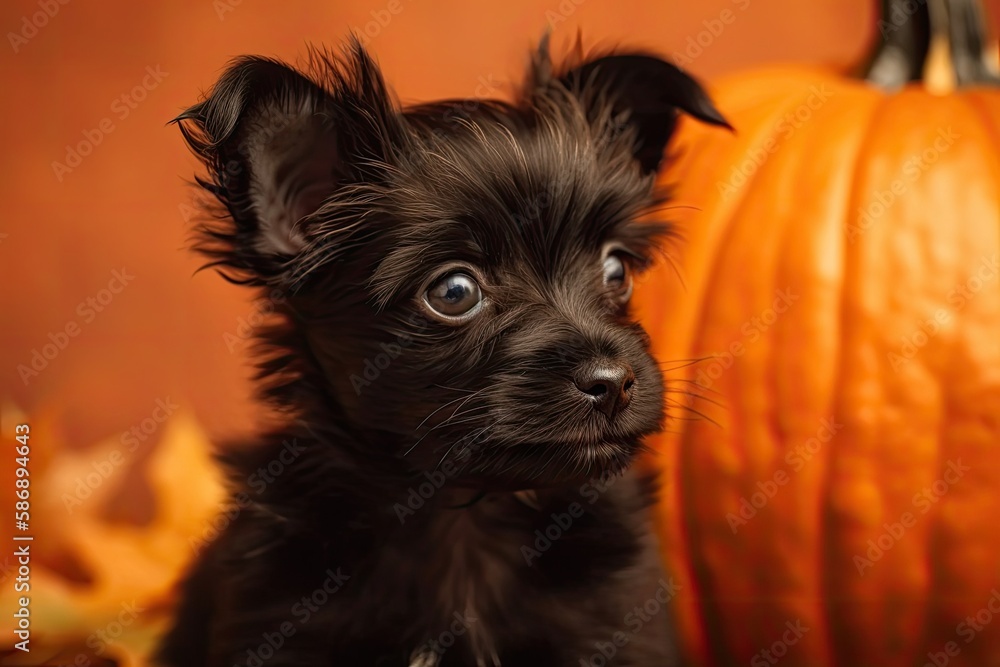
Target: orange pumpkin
[(841, 298)]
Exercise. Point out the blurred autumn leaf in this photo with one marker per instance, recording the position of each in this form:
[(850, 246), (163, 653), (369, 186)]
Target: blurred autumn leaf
[(102, 590)]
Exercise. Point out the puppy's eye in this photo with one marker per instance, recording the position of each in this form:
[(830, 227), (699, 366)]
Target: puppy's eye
[(456, 296), (617, 278)]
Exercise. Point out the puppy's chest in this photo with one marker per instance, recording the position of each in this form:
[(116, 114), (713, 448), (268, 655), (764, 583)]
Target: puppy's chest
[(462, 578)]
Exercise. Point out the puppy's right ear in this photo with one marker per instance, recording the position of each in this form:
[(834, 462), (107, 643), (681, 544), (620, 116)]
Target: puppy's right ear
[(644, 90), (276, 145)]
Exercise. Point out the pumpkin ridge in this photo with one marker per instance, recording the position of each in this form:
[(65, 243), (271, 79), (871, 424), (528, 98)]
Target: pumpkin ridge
[(699, 574), (942, 571), (770, 412), (839, 635), (745, 480), (819, 639), (935, 563), (672, 528), (785, 515), (719, 240)]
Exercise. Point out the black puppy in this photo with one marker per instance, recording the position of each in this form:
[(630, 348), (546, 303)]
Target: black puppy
[(463, 385)]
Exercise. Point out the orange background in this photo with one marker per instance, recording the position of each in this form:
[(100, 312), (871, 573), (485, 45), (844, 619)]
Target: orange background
[(125, 204)]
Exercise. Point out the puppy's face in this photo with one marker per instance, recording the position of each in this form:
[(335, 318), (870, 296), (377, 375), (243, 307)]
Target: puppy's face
[(461, 271)]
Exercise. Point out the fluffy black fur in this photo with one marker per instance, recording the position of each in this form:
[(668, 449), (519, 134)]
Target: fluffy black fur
[(399, 514)]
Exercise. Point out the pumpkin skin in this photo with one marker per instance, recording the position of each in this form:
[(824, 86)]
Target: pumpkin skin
[(850, 404)]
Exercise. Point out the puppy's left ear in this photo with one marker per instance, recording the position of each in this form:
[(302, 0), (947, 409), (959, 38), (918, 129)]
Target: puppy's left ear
[(649, 91), (277, 145)]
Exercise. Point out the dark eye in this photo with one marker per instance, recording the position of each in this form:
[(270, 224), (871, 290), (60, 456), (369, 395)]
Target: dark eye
[(617, 279), (457, 295)]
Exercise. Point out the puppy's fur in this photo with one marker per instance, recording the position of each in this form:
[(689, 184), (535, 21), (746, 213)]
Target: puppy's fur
[(443, 490)]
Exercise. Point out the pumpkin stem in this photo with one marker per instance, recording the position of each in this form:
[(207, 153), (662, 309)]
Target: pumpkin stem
[(912, 31)]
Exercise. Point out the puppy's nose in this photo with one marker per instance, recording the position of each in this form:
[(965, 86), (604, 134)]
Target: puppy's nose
[(608, 384)]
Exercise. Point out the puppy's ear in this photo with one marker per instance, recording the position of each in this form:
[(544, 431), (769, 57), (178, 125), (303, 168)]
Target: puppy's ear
[(276, 145), (644, 90)]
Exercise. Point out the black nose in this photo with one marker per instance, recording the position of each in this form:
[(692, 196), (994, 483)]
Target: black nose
[(608, 384)]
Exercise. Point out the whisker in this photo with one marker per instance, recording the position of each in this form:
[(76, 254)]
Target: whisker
[(686, 363), (441, 386), (472, 442), (699, 414), (676, 270), (701, 397), (468, 417), (441, 407)]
